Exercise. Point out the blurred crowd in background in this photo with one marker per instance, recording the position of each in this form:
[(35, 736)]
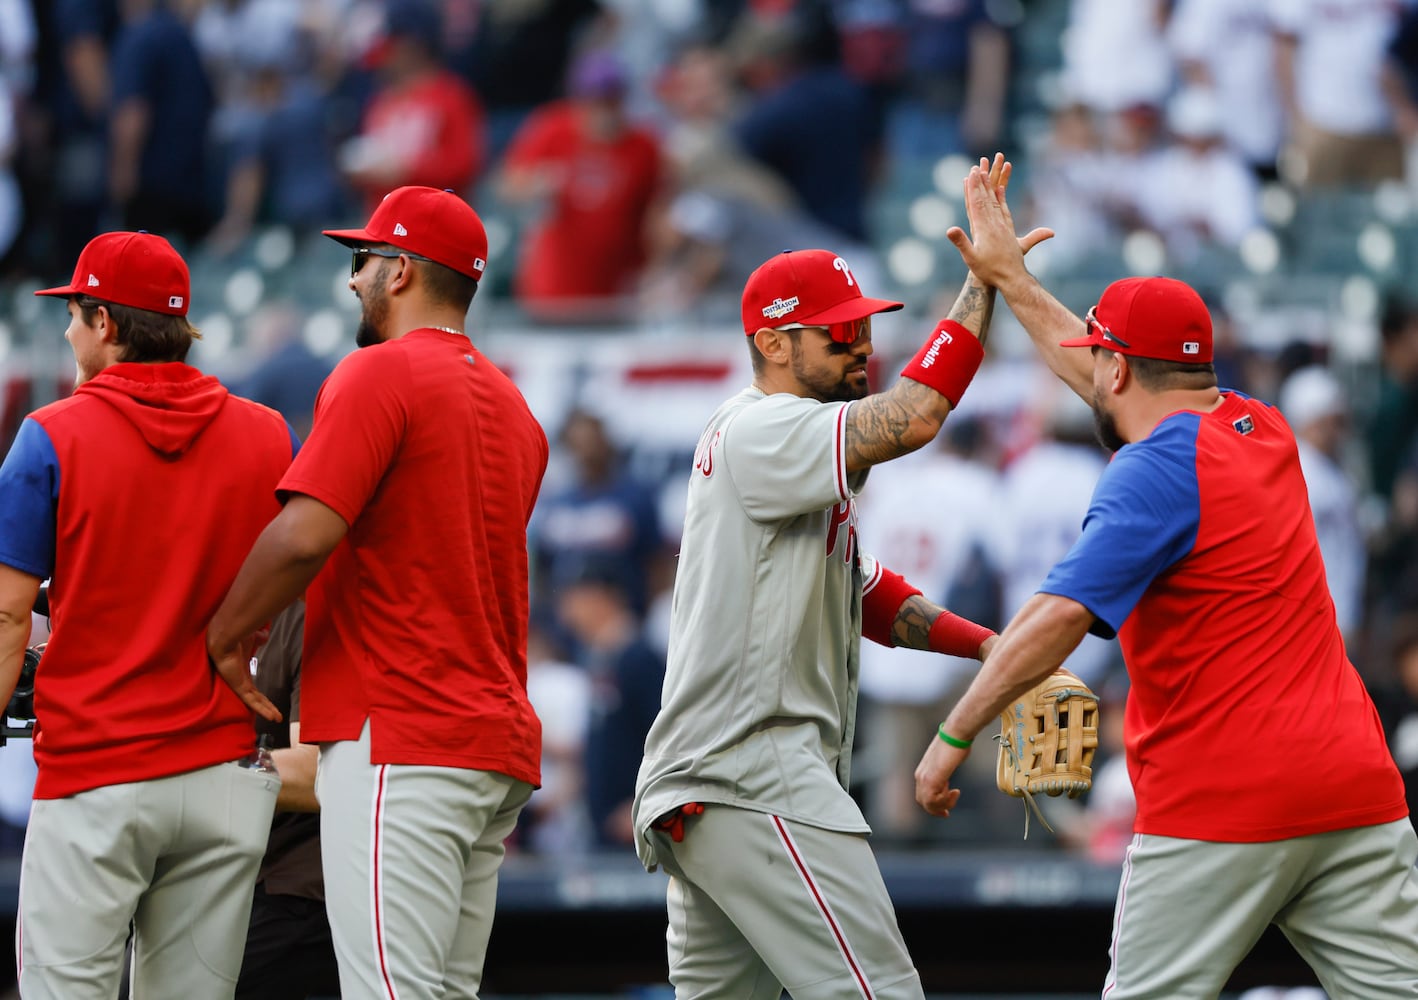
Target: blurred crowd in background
[(636, 159)]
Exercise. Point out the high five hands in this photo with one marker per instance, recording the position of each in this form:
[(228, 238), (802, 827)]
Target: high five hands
[(991, 250)]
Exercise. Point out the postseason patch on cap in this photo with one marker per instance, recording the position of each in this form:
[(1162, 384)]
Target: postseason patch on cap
[(779, 308)]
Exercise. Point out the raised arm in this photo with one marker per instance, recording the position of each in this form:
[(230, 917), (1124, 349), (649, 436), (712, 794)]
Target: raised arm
[(907, 416), (995, 255)]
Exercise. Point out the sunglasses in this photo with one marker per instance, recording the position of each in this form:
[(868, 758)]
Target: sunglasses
[(842, 333), (359, 256), (1091, 320)]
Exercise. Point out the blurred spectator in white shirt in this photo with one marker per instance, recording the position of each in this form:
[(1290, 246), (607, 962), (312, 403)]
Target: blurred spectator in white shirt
[(1330, 63), (1115, 55), (1197, 192), (907, 692), (1228, 45), (1044, 496), (1314, 403)]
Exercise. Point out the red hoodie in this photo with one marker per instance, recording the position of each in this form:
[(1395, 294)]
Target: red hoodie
[(165, 480)]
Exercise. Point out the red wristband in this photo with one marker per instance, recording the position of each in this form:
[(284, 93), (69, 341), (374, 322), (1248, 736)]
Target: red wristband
[(958, 636), (947, 361), (881, 603)]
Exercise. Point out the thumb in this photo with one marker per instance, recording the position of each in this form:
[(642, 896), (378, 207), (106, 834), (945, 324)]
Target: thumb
[(1034, 237), (957, 237)]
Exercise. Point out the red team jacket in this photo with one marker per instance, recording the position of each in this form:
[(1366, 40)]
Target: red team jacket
[(140, 496)]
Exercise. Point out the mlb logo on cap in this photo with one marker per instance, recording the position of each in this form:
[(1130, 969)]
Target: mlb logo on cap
[(139, 270), (1158, 318)]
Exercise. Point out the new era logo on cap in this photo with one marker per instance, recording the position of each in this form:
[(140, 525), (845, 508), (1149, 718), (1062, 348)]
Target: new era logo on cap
[(93, 281), (435, 224)]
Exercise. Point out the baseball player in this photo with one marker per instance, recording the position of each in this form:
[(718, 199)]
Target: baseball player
[(1265, 790), (139, 496), (406, 514), (742, 794)]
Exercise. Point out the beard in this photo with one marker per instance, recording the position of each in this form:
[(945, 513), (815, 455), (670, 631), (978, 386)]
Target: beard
[(375, 314), (1105, 428), (824, 385)]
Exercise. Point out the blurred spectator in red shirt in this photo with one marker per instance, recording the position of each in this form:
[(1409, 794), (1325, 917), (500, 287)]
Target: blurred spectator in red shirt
[(423, 125), (596, 176)]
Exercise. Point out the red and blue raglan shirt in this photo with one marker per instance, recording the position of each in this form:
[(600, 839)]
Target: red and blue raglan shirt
[(139, 497), (418, 620), (1245, 720)]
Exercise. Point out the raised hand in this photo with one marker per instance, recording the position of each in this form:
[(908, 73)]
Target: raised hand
[(992, 250)]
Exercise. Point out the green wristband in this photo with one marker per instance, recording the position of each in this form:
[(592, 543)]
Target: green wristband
[(951, 740)]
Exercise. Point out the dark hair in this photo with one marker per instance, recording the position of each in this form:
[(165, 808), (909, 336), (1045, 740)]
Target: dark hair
[(756, 357), (143, 336), (445, 286), (1397, 314), (1157, 375)]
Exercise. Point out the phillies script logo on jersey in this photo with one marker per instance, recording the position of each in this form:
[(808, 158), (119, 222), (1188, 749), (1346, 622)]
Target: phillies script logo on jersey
[(704, 451), (843, 516)]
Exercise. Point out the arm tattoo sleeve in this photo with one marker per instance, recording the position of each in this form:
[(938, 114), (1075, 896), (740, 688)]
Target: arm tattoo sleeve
[(912, 628)]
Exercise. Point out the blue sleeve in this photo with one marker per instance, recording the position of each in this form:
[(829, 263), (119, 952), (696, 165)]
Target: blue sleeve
[(1144, 516), (294, 441), (29, 498)]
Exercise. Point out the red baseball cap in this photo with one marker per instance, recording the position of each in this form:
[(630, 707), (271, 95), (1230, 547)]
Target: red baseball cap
[(426, 221), (1158, 318), (131, 269), (811, 287)]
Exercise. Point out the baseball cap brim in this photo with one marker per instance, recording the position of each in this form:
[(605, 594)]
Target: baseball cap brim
[(62, 291), (352, 237), (844, 312), (1091, 340)]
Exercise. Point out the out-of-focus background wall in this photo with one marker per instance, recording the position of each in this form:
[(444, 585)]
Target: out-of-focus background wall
[(634, 160)]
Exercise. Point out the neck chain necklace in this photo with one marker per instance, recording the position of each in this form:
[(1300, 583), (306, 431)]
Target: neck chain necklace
[(449, 329)]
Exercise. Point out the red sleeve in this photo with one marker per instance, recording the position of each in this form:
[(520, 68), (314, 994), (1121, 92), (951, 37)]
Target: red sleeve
[(541, 137), (455, 158), (882, 598)]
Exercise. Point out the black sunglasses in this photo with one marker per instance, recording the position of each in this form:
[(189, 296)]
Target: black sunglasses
[(1091, 320), (360, 255)]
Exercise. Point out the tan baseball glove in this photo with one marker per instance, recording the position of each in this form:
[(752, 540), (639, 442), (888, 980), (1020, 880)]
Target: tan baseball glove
[(1047, 741)]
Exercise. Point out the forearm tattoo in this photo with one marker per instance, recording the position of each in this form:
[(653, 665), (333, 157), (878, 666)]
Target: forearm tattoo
[(879, 426), (890, 424), (974, 307), (912, 627)]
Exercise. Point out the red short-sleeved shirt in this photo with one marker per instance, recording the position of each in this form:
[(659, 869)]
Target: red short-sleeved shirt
[(591, 242), (418, 621)]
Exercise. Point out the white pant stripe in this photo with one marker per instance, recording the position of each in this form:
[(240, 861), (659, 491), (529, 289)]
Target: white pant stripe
[(376, 867), (830, 919), (1118, 917)]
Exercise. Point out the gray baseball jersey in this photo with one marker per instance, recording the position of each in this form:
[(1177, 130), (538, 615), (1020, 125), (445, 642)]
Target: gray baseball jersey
[(759, 702)]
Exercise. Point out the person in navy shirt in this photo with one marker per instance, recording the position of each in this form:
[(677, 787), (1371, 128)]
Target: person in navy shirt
[(1255, 752)]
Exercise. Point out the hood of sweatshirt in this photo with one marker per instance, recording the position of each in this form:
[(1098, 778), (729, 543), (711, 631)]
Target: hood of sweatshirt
[(170, 404)]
